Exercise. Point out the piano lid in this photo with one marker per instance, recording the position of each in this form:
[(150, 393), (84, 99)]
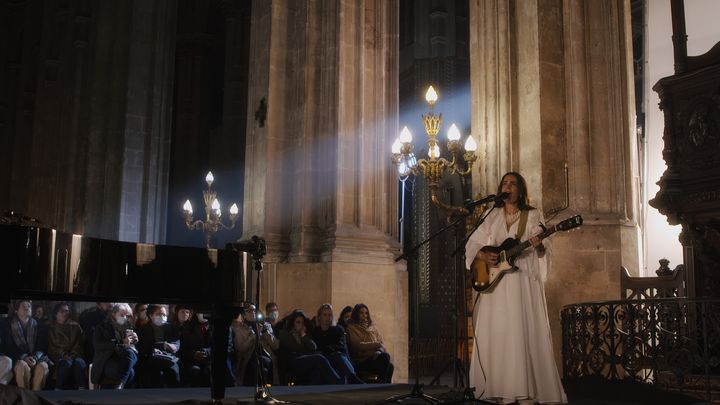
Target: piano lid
[(45, 263)]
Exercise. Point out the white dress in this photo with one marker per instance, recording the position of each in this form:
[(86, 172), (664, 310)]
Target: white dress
[(513, 355)]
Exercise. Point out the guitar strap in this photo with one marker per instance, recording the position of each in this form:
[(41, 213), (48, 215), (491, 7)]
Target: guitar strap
[(522, 224)]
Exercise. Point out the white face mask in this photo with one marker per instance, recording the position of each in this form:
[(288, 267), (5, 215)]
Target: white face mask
[(120, 320), (159, 320), (273, 315)]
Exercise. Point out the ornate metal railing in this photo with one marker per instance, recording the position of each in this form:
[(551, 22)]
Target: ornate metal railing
[(673, 343)]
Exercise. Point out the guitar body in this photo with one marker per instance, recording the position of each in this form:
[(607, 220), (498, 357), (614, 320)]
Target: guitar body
[(485, 277)]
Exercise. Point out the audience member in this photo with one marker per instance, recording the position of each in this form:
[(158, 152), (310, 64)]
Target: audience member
[(194, 350), (115, 353), (366, 345), (39, 314), (89, 319), (272, 313), (159, 344), (141, 319), (5, 367), (65, 348), (299, 353), (245, 344), (331, 342), (25, 342), (344, 316)]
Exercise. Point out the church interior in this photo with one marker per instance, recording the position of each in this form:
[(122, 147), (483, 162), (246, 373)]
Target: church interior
[(179, 128)]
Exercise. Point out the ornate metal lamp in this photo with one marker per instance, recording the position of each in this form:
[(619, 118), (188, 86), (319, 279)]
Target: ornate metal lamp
[(213, 222), (434, 167)]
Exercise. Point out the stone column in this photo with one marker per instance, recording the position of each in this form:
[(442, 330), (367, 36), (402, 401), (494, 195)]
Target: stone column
[(319, 183), (551, 85)]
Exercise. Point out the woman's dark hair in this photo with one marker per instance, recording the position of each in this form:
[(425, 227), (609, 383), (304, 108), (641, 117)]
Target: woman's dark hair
[(523, 199), (56, 309), (356, 313), (290, 319), (137, 307), (346, 310)]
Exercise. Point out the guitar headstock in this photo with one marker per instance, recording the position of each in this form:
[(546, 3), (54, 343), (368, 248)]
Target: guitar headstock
[(570, 223)]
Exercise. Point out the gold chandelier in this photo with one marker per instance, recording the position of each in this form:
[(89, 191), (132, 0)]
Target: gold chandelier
[(213, 222), (434, 167)]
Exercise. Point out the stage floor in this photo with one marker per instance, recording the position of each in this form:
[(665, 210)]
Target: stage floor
[(307, 394), (587, 394)]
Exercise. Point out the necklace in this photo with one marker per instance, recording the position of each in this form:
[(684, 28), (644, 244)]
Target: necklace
[(510, 218)]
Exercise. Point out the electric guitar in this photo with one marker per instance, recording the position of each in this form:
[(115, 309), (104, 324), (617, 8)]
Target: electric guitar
[(486, 278)]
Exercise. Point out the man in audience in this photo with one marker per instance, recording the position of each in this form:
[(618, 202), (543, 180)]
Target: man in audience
[(272, 313), (244, 341), (115, 353), (89, 319), (25, 341)]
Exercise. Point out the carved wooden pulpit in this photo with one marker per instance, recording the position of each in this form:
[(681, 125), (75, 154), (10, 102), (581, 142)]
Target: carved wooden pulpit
[(690, 187)]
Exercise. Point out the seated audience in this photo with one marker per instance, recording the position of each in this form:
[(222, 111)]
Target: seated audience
[(245, 345), (25, 342), (299, 353), (331, 342), (157, 351), (194, 350), (366, 345), (344, 317), (141, 319), (65, 348), (115, 353), (89, 319)]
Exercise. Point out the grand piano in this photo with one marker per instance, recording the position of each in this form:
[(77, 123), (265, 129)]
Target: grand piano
[(45, 264)]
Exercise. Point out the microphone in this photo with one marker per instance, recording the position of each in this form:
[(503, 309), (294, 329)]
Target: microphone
[(491, 197)]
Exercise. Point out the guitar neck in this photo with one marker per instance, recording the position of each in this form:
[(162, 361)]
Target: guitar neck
[(524, 245)]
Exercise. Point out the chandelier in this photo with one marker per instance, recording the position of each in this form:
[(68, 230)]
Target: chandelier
[(213, 222), (434, 167)]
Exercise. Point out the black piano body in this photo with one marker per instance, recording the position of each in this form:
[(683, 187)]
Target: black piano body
[(42, 263)]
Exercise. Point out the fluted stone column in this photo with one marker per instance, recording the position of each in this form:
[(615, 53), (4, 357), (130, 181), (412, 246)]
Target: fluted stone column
[(319, 183), (551, 85)]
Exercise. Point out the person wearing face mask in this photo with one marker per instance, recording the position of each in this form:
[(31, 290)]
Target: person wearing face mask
[(271, 309), (115, 354), (25, 342), (158, 350), (66, 349)]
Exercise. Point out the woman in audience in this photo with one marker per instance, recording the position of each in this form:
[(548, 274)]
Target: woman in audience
[(159, 344), (65, 348), (194, 350), (25, 342), (344, 316), (366, 345), (331, 342), (299, 353), (115, 353)]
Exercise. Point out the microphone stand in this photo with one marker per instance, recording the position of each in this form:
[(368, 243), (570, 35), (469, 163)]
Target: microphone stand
[(417, 390)]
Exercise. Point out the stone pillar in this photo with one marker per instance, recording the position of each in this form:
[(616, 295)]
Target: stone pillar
[(87, 115), (551, 84), (319, 184)]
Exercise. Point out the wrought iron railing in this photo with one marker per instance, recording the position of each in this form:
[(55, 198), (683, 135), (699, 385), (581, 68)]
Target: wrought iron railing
[(673, 343)]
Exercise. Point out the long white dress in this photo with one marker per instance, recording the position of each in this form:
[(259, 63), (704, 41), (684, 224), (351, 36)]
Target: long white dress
[(513, 355)]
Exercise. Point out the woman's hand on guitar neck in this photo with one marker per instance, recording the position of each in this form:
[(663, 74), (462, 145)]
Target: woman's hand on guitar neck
[(491, 258)]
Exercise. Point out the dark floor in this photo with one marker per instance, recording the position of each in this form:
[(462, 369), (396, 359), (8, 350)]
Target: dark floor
[(335, 395)]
